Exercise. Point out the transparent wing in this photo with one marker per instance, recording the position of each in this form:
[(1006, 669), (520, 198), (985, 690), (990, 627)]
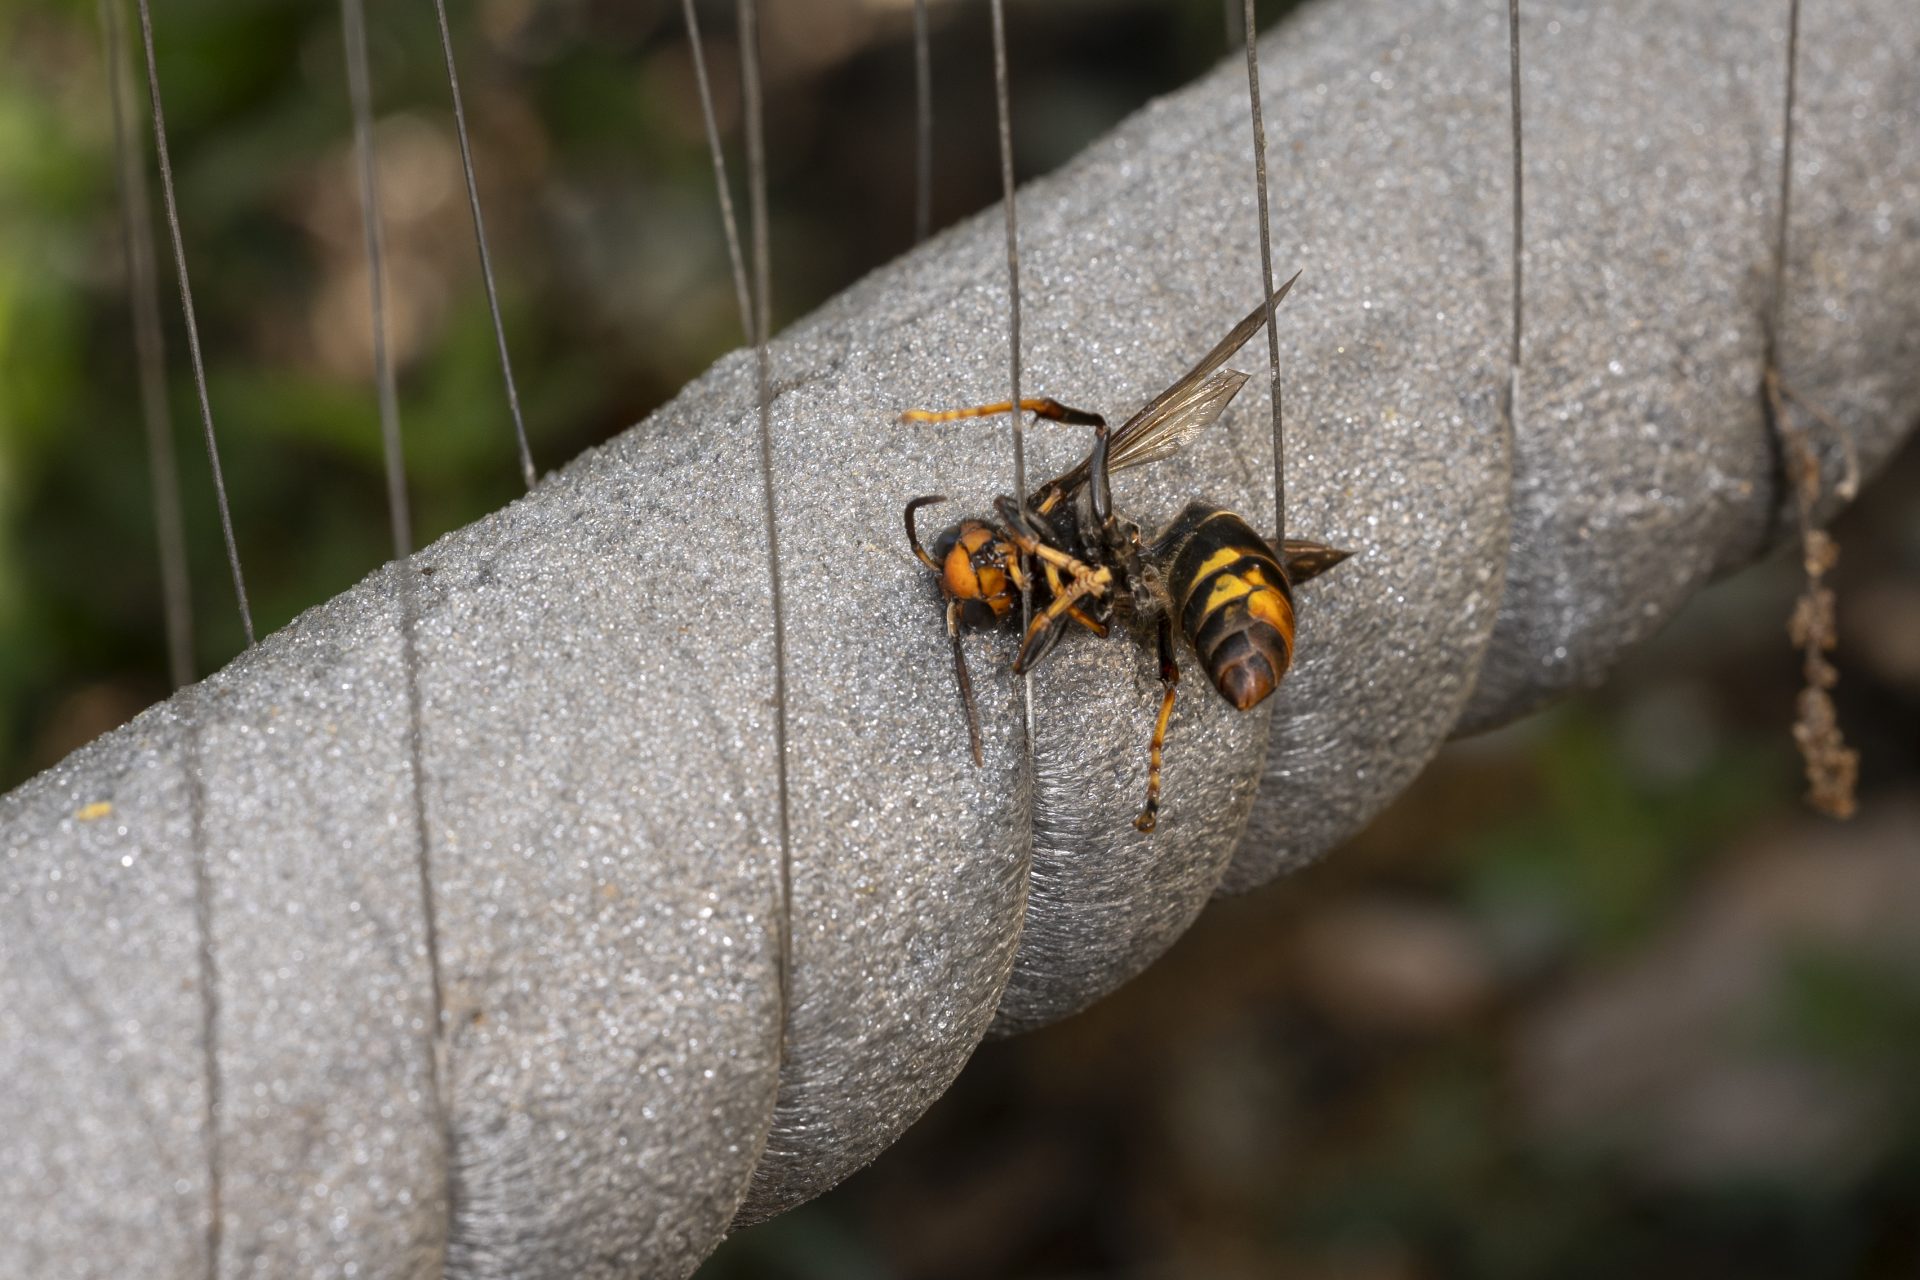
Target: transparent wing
[(1167, 422), (1176, 421), (1222, 352)]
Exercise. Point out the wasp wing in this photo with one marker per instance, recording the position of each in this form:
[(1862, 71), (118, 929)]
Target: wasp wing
[(1222, 352), (1177, 421), (1167, 422)]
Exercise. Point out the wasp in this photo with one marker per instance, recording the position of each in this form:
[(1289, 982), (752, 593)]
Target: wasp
[(1208, 573)]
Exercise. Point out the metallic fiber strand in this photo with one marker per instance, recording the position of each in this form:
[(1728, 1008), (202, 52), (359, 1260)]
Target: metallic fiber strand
[(193, 327), (728, 223), (143, 298), (360, 93), (923, 116), (750, 85), (1776, 306), (208, 974), (527, 471), (1519, 225), (1003, 100), (1252, 41)]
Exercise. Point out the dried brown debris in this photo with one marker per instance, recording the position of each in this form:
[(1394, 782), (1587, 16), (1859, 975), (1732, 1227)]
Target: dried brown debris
[(1833, 768)]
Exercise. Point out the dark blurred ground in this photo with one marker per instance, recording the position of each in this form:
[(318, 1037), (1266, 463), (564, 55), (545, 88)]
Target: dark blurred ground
[(1596, 998)]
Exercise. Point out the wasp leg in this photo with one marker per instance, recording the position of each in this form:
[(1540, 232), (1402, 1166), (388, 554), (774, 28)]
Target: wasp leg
[(1169, 680), (965, 681), (1040, 406), (1020, 523), (1032, 542), (1041, 634), (913, 534), (1055, 586)]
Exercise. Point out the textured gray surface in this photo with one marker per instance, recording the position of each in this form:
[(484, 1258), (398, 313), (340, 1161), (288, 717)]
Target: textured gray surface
[(595, 660), (1644, 467)]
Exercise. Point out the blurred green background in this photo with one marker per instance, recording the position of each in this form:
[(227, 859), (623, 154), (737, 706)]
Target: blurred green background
[(1596, 997)]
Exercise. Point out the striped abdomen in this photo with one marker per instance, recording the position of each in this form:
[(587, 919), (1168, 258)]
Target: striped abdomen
[(1231, 599)]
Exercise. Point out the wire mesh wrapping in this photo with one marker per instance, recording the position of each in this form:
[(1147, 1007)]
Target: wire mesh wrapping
[(596, 738)]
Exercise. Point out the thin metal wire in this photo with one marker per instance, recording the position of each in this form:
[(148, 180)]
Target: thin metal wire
[(923, 115), (480, 240), (728, 223), (1777, 305), (360, 95), (1519, 234), (1003, 101), (193, 327), (1251, 38), (143, 300), (762, 325), (212, 1082)]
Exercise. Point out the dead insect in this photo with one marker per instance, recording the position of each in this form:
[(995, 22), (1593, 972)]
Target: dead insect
[(1208, 571)]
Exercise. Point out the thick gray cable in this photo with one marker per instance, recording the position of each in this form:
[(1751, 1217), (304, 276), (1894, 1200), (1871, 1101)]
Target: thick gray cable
[(598, 749)]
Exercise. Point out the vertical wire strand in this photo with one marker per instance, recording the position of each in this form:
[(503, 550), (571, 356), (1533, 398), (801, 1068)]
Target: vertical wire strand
[(212, 1083), (729, 225), (143, 298), (1848, 484), (1003, 103), (1519, 223), (193, 327), (360, 95), (1776, 307), (762, 313), (527, 471), (923, 117), (1251, 38)]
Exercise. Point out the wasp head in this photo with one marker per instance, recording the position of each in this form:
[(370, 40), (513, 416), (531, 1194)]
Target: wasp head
[(977, 564), (979, 568)]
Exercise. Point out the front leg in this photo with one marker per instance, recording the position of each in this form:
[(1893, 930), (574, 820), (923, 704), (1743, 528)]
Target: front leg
[(1045, 628), (1040, 407), (965, 680)]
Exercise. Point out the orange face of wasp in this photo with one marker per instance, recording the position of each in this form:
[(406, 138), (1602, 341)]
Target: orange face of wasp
[(979, 568)]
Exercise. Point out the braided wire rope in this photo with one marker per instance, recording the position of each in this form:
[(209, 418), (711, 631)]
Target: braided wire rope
[(597, 748)]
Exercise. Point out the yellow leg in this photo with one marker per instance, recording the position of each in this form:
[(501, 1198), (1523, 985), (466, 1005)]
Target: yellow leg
[(1054, 556), (1040, 406), (1089, 584), (1056, 586), (1170, 679)]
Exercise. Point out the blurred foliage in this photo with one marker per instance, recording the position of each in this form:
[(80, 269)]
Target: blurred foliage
[(600, 210), (1594, 998)]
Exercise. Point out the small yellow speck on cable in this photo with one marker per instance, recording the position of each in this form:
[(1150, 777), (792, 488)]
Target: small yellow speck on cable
[(95, 811)]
